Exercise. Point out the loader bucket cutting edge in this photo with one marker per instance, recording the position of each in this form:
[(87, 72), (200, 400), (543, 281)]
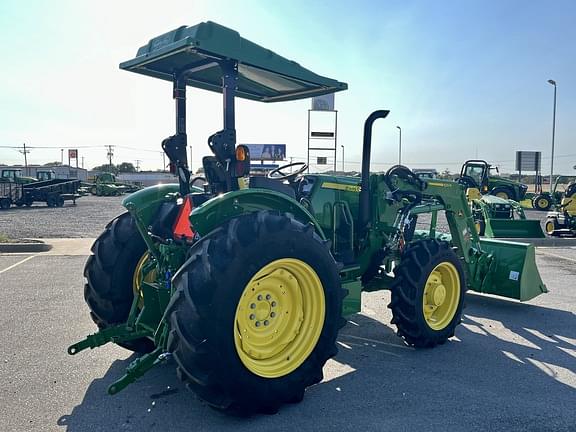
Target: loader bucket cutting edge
[(517, 228), (513, 272)]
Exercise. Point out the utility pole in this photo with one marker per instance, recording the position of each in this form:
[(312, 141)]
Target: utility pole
[(25, 152), (550, 81), (110, 154), (138, 165), (82, 162), (341, 145), (61, 156), (163, 162)]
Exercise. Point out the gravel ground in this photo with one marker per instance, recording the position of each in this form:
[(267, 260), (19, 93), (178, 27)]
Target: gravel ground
[(85, 219), (90, 215)]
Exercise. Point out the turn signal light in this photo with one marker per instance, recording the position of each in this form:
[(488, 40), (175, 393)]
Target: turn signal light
[(241, 153)]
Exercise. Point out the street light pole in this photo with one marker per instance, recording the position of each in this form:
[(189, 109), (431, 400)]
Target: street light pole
[(341, 145), (550, 81), (399, 145)]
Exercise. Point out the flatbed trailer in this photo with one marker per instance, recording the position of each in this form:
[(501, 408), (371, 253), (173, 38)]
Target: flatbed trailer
[(53, 192), (10, 194)]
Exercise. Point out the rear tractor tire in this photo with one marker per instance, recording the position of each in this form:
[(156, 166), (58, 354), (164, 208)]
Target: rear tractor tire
[(541, 202), (112, 276), (256, 313), (428, 293)]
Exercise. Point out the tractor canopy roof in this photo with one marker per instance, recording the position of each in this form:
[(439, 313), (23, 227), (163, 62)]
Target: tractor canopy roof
[(262, 74)]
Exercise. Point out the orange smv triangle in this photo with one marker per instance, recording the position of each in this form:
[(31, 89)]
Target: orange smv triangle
[(182, 228)]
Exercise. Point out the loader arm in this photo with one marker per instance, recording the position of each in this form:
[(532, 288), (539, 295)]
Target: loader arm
[(492, 266)]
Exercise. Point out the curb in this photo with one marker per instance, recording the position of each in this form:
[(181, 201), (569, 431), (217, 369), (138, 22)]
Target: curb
[(544, 242), (37, 246)]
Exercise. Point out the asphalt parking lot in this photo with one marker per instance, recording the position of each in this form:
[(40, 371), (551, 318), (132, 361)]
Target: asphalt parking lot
[(85, 219), (511, 367)]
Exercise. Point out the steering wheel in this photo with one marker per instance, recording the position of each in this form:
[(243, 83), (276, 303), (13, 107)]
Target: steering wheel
[(467, 181), (278, 174), (404, 173)]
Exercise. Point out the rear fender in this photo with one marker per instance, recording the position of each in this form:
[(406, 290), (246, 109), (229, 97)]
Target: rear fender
[(218, 210), (144, 203)]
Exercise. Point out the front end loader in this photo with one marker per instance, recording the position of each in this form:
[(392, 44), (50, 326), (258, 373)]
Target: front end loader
[(497, 217), (246, 282)]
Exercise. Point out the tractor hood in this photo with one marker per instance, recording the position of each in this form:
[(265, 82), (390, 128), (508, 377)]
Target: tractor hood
[(505, 181), (262, 74)]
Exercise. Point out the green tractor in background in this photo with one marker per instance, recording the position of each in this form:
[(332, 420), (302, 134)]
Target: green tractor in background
[(45, 175), (476, 174), (246, 282), (546, 200), (497, 217), (105, 184), (14, 175), (562, 220), (494, 203)]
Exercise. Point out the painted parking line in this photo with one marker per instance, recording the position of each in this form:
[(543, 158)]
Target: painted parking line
[(541, 252), (17, 264), (374, 341)]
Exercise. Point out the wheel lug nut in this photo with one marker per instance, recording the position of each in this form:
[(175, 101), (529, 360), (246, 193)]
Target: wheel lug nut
[(268, 296), (253, 306), (252, 316), (273, 303), (266, 322), (257, 323), (272, 314), (259, 297)]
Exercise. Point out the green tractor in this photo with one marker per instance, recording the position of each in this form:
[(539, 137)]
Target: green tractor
[(246, 282), (105, 184), (546, 200), (14, 175), (497, 217), (562, 220), (476, 174)]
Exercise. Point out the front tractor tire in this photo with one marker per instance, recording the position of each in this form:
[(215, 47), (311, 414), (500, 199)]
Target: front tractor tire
[(427, 293), (256, 313), (110, 277), (503, 192)]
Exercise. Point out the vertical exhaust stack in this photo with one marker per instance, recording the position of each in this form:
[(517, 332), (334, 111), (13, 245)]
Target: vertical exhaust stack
[(365, 208)]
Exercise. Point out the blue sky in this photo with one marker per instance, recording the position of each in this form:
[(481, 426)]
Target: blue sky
[(462, 78)]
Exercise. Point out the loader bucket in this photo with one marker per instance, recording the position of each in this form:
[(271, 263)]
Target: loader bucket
[(513, 272), (513, 228)]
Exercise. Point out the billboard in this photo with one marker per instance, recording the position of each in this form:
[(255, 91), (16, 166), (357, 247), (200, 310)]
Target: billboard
[(267, 152), (72, 154), (323, 103), (528, 160)]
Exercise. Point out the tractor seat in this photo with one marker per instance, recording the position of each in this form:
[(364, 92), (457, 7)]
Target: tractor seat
[(275, 185)]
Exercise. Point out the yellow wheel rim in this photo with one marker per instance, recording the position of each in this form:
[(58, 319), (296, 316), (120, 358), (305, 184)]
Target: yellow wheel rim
[(137, 279), (502, 195), (441, 295), (279, 318), (549, 227), (542, 203)]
